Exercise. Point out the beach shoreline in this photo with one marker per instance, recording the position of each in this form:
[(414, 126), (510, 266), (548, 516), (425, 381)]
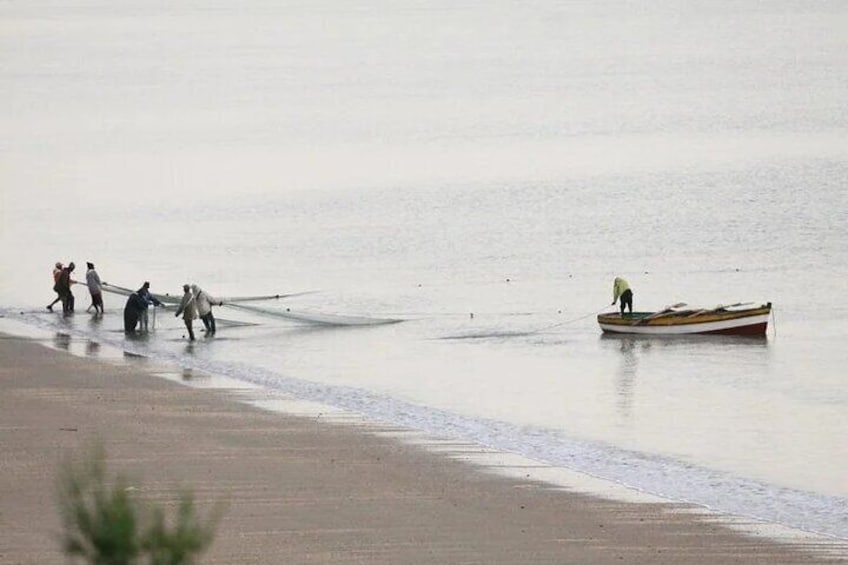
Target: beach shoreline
[(303, 490)]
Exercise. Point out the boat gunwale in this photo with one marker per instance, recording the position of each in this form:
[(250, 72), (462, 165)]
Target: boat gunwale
[(682, 318)]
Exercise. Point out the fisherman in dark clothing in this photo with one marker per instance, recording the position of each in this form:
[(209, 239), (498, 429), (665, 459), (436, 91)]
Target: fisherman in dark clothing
[(63, 289), (135, 307), (148, 298)]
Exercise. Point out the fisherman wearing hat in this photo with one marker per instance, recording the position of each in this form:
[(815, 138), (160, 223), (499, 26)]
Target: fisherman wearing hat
[(144, 293), (204, 304), (95, 288), (188, 309)]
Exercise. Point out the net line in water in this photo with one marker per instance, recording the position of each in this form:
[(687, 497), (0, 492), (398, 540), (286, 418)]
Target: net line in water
[(315, 317)]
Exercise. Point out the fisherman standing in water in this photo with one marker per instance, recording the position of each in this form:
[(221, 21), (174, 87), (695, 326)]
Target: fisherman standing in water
[(95, 288), (188, 309), (57, 272), (149, 299), (204, 304), (621, 289), (132, 312), (63, 287)]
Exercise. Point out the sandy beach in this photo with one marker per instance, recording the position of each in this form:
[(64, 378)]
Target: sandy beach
[(299, 490)]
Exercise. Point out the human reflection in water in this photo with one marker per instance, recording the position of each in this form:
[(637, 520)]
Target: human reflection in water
[(62, 341), (626, 378), (95, 322), (629, 348), (92, 348)]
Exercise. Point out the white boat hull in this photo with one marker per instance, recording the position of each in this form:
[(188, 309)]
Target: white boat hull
[(723, 326)]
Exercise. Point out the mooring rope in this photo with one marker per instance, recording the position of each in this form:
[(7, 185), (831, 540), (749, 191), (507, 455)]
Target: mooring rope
[(773, 323), (571, 321)]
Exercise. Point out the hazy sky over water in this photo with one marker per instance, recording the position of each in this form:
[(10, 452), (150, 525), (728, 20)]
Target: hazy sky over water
[(107, 100)]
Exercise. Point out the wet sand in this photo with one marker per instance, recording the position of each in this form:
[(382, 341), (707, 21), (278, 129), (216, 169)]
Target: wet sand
[(300, 490)]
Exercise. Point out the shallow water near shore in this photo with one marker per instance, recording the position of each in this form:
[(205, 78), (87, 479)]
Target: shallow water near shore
[(483, 191)]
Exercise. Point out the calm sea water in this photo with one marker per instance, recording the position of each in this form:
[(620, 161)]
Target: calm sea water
[(429, 161)]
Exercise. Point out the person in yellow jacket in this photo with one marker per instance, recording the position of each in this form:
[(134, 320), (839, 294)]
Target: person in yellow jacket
[(620, 289)]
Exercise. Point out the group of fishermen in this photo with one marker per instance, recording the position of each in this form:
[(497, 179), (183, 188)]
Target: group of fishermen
[(62, 281), (137, 307), (196, 302)]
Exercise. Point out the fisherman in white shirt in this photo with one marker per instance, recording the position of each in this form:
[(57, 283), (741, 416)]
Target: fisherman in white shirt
[(204, 304)]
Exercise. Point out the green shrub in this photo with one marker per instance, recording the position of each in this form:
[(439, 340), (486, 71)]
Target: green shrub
[(105, 524)]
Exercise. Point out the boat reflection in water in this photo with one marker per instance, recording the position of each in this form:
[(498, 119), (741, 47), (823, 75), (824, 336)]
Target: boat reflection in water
[(658, 361)]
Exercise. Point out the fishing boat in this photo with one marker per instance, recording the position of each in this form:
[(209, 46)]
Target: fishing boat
[(730, 319)]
